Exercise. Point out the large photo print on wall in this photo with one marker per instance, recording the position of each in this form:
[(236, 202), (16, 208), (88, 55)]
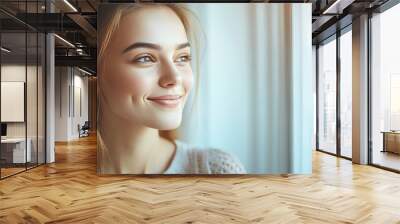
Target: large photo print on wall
[(204, 88)]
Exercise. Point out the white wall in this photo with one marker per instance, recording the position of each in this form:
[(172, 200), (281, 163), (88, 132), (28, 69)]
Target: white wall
[(69, 82), (80, 84), (15, 72), (61, 103)]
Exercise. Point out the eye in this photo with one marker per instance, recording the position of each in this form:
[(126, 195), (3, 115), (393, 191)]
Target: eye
[(145, 59), (184, 58)]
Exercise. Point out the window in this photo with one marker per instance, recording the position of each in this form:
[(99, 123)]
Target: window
[(327, 97), (385, 89), (346, 94)]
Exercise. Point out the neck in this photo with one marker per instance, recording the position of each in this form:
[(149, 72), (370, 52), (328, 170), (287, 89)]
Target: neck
[(133, 148)]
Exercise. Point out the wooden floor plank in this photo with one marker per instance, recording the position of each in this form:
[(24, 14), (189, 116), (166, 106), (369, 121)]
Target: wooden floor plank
[(69, 191)]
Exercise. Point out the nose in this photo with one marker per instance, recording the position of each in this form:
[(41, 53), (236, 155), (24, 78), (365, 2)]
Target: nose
[(170, 76)]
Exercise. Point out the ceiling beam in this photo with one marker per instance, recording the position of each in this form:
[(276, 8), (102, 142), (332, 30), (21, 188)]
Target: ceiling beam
[(83, 61), (337, 6)]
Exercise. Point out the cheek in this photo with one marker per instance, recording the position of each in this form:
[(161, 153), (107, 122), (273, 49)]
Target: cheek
[(127, 83), (188, 80), (135, 86)]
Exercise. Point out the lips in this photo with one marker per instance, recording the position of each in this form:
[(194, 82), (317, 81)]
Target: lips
[(169, 101)]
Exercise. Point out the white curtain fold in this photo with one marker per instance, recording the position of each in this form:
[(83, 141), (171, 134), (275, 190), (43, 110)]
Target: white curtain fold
[(256, 86)]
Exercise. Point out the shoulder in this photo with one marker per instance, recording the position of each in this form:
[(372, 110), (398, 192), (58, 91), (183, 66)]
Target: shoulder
[(196, 160), (221, 162)]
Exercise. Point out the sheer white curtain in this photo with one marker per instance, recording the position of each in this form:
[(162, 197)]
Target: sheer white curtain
[(255, 96)]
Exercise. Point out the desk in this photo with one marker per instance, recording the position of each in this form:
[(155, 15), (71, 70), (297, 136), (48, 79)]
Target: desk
[(391, 141), (13, 150)]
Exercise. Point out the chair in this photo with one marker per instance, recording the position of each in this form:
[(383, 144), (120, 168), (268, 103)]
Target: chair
[(84, 130)]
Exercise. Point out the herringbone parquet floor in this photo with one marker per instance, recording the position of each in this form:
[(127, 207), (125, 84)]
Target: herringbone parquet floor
[(69, 191)]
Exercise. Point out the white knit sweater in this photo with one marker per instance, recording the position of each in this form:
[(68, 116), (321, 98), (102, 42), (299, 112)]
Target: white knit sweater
[(190, 160)]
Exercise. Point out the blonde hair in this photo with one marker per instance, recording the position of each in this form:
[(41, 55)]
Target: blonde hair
[(111, 16)]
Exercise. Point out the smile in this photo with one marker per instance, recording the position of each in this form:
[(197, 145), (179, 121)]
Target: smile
[(169, 101)]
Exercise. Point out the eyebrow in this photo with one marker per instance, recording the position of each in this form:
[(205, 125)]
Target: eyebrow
[(151, 45)]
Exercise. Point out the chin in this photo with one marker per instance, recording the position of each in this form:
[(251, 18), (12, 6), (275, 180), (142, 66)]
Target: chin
[(166, 124)]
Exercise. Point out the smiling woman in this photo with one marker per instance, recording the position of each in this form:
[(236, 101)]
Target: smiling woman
[(145, 78)]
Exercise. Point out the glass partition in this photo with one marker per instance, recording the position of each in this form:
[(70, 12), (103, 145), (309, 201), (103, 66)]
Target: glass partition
[(327, 97), (41, 91), (346, 94), (22, 88), (14, 153), (31, 100), (385, 89)]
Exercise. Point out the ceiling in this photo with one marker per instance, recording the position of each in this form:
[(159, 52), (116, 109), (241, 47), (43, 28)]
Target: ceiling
[(75, 21)]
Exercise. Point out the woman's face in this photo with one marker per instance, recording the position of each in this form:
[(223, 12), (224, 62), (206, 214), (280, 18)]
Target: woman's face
[(148, 75)]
